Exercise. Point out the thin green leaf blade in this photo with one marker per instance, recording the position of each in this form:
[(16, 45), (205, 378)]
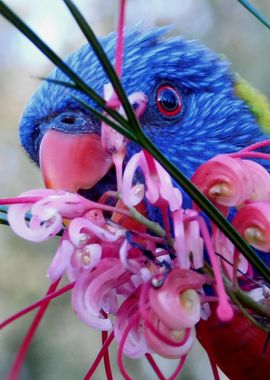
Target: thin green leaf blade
[(106, 64)]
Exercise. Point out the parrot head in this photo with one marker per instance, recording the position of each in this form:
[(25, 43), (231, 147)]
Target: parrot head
[(192, 111)]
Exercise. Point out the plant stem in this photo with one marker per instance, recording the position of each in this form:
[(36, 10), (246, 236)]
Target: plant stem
[(259, 15)]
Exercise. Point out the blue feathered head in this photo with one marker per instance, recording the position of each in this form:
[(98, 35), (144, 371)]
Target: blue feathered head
[(192, 111)]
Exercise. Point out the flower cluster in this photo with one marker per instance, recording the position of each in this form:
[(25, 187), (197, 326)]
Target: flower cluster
[(136, 276)]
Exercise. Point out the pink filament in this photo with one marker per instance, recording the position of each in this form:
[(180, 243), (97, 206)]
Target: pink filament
[(150, 162), (106, 358), (120, 39), (132, 322), (257, 145), (16, 367), (100, 355), (178, 368), (19, 200), (165, 217), (35, 305), (224, 309), (155, 366), (245, 154)]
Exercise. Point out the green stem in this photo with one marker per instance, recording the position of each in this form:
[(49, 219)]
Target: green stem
[(245, 312), (246, 300), (260, 16), (3, 219), (237, 294), (154, 227)]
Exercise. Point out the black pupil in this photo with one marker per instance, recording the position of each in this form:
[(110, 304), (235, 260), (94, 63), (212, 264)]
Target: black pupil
[(168, 99)]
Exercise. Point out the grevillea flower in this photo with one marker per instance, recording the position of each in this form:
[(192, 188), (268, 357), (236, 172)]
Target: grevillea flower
[(176, 302), (253, 222), (126, 278), (225, 180)]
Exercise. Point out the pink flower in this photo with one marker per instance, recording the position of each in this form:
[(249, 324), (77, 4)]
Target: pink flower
[(158, 184), (260, 181), (176, 302), (42, 225), (183, 338), (253, 223), (135, 345), (94, 292), (225, 180)]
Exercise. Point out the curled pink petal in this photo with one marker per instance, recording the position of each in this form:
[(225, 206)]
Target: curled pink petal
[(128, 263), (38, 229), (61, 258), (176, 302), (131, 196), (260, 181), (68, 205), (79, 226), (253, 223), (135, 345), (83, 259), (225, 180), (164, 349), (166, 189), (92, 288)]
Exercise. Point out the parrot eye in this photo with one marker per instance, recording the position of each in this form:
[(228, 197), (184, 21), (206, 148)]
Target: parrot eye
[(169, 101)]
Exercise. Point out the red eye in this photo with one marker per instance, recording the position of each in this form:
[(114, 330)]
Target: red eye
[(169, 101)]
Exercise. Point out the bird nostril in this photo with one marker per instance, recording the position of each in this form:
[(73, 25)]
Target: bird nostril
[(71, 120)]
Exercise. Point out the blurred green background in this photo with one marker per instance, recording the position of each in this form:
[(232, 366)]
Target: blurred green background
[(63, 347)]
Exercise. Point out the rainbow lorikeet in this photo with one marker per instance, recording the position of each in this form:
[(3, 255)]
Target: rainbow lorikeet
[(196, 109)]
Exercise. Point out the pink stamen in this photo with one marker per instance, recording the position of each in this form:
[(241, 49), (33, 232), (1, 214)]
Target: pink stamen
[(150, 162), (245, 154), (17, 364), (164, 210), (120, 39), (155, 366), (132, 322), (100, 355), (37, 304), (118, 159), (19, 200), (207, 299), (258, 145), (224, 309), (106, 357), (179, 368)]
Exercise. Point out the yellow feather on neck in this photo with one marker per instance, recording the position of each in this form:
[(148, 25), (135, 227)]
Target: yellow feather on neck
[(258, 103)]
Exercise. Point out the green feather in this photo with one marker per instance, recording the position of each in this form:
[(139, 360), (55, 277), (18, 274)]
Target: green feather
[(258, 103)]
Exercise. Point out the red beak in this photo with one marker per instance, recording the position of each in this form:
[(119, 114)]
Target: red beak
[(71, 162)]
